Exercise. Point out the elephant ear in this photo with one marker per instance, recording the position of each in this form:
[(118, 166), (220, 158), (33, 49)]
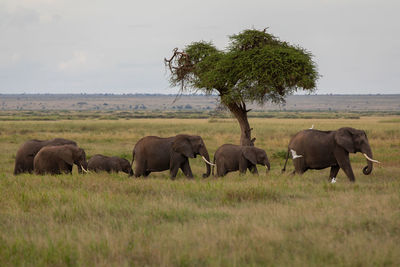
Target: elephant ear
[(66, 155), (183, 146), (344, 138), (250, 154)]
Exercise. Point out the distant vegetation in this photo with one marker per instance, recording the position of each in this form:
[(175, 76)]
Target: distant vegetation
[(46, 115), (108, 102)]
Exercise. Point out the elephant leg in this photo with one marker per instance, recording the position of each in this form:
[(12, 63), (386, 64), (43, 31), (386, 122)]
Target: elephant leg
[(146, 173), (174, 168), (243, 165), (221, 170), (140, 168), (299, 166), (348, 171), (185, 167), (343, 159), (253, 169), (334, 171), (68, 169)]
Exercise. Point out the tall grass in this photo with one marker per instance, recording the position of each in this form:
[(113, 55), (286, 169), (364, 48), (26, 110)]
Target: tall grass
[(270, 219)]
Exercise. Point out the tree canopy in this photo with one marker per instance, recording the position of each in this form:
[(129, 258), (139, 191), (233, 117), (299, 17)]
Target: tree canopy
[(256, 67)]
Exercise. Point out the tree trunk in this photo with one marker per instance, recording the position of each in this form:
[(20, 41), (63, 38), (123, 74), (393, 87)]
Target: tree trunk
[(240, 113)]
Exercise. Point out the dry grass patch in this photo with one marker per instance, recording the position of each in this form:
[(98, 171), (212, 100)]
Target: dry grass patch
[(270, 219)]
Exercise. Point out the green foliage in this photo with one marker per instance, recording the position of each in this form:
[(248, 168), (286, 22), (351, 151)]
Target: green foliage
[(256, 67), (281, 154)]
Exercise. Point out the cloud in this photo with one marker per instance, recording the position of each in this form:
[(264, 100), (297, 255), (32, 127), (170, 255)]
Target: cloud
[(45, 18), (78, 62), (52, 44), (18, 18)]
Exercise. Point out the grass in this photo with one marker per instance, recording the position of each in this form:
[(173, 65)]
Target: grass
[(271, 219)]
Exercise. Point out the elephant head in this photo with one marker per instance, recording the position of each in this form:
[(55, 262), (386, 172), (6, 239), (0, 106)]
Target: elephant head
[(256, 156), (74, 155), (353, 141), (125, 166), (190, 146)]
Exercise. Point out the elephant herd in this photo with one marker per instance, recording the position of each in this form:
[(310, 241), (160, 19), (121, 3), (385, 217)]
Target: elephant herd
[(309, 149)]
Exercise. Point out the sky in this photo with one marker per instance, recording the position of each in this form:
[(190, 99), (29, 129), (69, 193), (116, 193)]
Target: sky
[(101, 46)]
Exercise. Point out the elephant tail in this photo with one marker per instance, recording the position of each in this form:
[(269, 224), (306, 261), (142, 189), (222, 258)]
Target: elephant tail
[(133, 158), (287, 157)]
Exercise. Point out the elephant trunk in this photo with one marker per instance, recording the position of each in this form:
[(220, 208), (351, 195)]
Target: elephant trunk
[(204, 153), (267, 164), (368, 169)]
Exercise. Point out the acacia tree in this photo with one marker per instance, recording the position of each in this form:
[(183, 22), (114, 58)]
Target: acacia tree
[(256, 67)]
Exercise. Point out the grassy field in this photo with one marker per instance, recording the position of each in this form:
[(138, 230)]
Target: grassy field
[(270, 219)]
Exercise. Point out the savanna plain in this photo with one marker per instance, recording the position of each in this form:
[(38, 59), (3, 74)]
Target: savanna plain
[(273, 219)]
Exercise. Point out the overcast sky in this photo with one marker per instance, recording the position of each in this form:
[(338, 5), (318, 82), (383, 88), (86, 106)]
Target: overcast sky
[(99, 46)]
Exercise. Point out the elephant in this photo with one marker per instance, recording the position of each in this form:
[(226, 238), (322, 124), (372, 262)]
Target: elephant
[(314, 149), (154, 154), (230, 158), (27, 152), (109, 164), (59, 159)]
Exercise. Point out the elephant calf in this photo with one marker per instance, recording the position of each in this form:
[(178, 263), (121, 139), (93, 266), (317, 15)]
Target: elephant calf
[(230, 158), (109, 164), (314, 149), (59, 159)]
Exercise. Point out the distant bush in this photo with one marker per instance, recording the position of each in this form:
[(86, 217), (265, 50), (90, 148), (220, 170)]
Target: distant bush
[(281, 154)]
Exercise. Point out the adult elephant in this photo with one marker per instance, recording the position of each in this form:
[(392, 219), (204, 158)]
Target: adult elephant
[(59, 159), (154, 154), (314, 149), (27, 152), (109, 164), (230, 158)]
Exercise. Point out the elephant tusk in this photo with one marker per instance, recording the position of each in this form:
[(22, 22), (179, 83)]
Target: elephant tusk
[(368, 158), (84, 169), (209, 163)]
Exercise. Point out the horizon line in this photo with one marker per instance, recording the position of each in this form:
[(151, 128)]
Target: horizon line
[(195, 94)]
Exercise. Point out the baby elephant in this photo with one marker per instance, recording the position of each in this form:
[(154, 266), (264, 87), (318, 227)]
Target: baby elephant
[(109, 164), (59, 159), (230, 158)]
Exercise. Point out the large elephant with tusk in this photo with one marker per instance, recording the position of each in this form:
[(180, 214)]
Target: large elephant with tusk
[(59, 159), (154, 154), (314, 149)]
